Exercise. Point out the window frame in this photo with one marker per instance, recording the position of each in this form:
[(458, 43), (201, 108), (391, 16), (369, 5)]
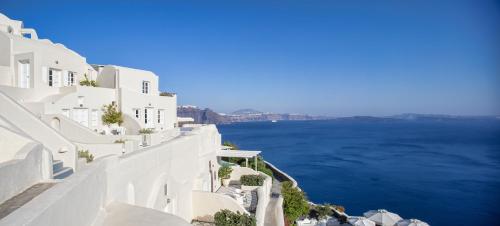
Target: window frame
[(146, 85)]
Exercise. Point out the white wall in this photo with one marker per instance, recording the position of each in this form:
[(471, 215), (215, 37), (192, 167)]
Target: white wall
[(263, 193), (206, 204), (60, 147), (130, 100), (137, 178), (28, 166)]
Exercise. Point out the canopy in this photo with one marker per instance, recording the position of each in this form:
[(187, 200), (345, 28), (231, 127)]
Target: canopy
[(238, 153), (360, 221), (411, 222), (383, 217)]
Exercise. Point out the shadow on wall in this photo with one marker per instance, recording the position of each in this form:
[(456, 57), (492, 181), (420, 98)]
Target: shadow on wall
[(131, 125)]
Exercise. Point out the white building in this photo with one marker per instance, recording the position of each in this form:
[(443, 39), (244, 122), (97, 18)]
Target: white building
[(47, 117)]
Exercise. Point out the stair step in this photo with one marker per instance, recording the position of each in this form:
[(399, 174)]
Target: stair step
[(57, 165), (63, 173)]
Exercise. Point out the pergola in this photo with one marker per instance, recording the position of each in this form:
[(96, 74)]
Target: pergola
[(240, 154)]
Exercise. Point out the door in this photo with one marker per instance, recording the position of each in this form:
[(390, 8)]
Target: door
[(148, 117), (54, 77), (81, 115), (24, 74)]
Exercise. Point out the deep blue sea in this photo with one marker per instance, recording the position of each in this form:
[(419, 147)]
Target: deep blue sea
[(445, 173)]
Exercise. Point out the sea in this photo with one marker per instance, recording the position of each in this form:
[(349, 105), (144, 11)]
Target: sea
[(444, 172)]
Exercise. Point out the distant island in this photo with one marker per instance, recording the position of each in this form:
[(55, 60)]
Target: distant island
[(208, 116)]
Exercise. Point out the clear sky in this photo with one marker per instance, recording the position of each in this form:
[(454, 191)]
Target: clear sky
[(334, 58)]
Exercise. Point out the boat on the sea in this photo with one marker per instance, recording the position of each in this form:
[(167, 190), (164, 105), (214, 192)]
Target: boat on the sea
[(274, 121)]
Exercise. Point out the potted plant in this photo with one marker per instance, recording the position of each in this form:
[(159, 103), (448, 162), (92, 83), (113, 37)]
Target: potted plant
[(225, 174)]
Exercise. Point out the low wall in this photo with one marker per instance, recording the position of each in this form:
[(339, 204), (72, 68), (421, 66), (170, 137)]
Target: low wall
[(76, 201), (278, 212), (160, 177), (28, 167), (101, 150), (239, 171), (10, 144), (76, 132), (264, 194), (280, 175), (206, 204)]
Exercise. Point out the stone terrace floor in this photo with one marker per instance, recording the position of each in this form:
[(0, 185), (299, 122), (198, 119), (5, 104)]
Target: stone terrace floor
[(24, 197)]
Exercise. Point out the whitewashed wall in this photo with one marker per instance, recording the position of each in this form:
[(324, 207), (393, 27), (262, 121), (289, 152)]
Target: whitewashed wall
[(137, 178)]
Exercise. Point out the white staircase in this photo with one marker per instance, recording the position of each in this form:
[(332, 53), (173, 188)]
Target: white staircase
[(59, 170), (20, 117)]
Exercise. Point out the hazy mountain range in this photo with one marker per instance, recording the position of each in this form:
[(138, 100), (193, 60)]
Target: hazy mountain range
[(208, 116)]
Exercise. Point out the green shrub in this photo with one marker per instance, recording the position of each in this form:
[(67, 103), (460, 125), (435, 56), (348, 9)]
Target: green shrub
[(323, 211), (120, 141), (111, 115), (261, 165), (252, 180), (146, 131), (227, 218), (87, 82), (230, 144), (167, 94), (294, 202), (225, 172), (86, 155)]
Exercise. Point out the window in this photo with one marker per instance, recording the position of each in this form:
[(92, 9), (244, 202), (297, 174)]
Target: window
[(145, 116), (94, 117), (137, 113), (51, 77), (54, 77), (145, 87), (161, 116), (71, 78)]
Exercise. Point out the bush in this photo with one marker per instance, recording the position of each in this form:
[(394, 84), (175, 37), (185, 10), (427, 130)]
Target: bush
[(120, 141), (294, 202), (323, 211), (252, 180), (225, 172), (111, 115), (227, 218), (87, 82), (230, 144), (86, 155), (167, 94), (146, 131), (261, 165)]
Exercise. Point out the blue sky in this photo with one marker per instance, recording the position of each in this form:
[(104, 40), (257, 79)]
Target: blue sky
[(335, 58)]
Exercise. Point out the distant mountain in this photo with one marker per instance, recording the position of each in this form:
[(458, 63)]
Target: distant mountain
[(203, 116), (246, 111), (416, 117), (208, 116)]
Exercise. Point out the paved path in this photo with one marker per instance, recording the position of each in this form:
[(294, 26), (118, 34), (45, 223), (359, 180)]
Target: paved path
[(270, 219), (24, 197)]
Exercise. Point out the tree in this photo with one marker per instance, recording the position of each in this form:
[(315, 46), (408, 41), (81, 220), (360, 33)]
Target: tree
[(294, 202), (111, 115)]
